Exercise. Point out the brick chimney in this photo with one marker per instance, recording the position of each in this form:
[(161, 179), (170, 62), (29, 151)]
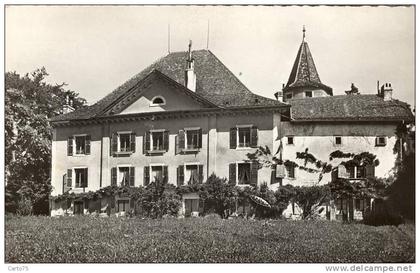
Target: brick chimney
[(279, 95), (68, 106), (190, 77), (386, 92)]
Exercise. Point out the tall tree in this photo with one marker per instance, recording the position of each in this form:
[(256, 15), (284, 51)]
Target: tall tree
[(29, 104)]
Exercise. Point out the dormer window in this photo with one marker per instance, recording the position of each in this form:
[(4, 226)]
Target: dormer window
[(158, 101), (308, 94)]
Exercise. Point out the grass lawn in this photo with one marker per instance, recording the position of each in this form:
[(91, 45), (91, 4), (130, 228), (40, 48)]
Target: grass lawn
[(115, 240)]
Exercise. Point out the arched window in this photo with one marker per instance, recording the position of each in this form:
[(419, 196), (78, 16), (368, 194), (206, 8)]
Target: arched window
[(158, 100)]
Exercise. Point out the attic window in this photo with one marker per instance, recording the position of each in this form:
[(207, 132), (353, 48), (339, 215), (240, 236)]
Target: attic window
[(157, 101)]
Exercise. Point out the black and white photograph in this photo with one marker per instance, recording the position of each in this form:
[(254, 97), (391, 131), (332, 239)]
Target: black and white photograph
[(209, 134)]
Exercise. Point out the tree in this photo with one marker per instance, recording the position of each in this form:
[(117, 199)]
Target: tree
[(29, 104)]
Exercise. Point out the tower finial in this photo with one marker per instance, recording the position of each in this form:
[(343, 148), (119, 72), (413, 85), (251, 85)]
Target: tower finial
[(303, 30)]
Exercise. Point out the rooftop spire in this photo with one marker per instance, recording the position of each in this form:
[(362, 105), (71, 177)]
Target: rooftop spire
[(303, 30), (304, 73)]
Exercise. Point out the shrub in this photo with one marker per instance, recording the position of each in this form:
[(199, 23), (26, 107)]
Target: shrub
[(382, 214), (159, 199), (308, 198), (24, 207), (218, 195)]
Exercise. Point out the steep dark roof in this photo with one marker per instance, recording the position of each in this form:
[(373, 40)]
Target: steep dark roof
[(215, 83), (349, 108), (304, 73)]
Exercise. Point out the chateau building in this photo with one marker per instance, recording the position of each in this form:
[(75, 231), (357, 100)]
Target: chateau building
[(187, 116)]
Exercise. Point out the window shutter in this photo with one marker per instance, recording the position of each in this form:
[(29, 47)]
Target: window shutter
[(146, 142), (114, 143), (280, 171), (181, 140), (273, 176), (133, 142), (146, 176), (131, 203), (132, 175), (200, 138), (87, 145), (180, 175), (69, 177), (342, 172), (254, 137), (85, 178), (70, 146), (200, 173), (165, 174), (113, 176), (351, 172), (233, 138), (254, 173), (370, 171), (166, 140), (232, 173)]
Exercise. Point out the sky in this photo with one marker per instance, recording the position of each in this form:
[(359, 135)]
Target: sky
[(94, 49)]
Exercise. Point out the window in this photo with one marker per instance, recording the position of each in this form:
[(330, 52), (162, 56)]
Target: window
[(357, 172), (81, 177), (123, 143), (380, 141), (157, 141), (192, 175), (78, 145), (290, 171), (244, 173), (337, 140), (124, 176), (308, 94), (193, 137), (290, 140), (189, 173), (123, 205), (158, 100), (244, 137), (155, 172), (289, 96)]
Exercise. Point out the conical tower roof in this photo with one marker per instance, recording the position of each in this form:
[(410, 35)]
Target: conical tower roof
[(304, 73)]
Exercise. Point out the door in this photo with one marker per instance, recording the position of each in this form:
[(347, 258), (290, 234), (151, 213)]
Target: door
[(191, 206), (123, 205), (78, 207)]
